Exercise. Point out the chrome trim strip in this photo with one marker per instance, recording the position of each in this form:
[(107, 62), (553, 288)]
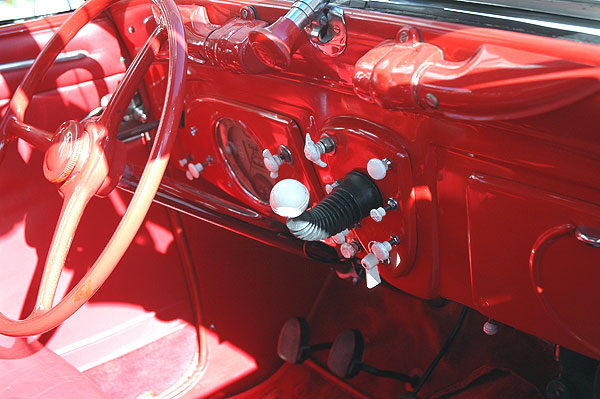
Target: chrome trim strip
[(545, 24), (62, 57), (586, 9)]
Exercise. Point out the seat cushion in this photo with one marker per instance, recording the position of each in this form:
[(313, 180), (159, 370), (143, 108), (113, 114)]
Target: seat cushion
[(29, 370)]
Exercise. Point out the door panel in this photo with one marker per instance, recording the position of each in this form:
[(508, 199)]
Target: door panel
[(90, 68)]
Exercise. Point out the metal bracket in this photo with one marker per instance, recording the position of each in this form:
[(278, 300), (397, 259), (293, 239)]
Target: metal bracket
[(328, 31)]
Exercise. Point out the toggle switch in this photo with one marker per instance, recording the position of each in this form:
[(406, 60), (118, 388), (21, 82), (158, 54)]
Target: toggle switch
[(194, 169), (382, 249), (313, 151), (273, 162), (370, 263), (378, 213)]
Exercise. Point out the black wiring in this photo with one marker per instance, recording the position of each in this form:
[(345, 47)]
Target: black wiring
[(443, 350)]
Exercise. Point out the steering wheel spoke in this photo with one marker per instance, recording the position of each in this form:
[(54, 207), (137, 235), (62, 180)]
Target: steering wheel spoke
[(119, 101), (72, 210), (39, 138)]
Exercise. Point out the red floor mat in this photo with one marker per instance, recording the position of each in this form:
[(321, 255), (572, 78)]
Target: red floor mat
[(152, 368), (297, 381), (490, 383)]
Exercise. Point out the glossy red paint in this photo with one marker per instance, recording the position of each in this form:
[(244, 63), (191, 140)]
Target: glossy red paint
[(275, 44), (539, 284), (554, 147), (495, 83), (490, 199), (226, 45)]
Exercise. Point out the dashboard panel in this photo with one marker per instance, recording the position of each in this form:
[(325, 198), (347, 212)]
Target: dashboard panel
[(478, 189)]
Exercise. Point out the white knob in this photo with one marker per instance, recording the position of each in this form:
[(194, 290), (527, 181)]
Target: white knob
[(183, 161), (272, 163), (490, 327), (194, 170), (370, 262), (377, 214), (381, 250), (348, 250), (377, 168), (340, 237), (329, 187), (313, 152), (289, 198)]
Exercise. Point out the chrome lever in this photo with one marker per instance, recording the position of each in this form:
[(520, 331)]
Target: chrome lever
[(588, 235)]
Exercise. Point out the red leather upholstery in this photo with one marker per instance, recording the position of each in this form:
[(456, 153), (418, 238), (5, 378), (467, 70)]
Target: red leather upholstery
[(29, 370)]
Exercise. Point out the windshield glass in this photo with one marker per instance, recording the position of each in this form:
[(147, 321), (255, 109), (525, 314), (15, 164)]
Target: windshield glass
[(14, 10)]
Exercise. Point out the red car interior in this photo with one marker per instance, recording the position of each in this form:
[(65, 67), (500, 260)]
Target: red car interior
[(214, 199)]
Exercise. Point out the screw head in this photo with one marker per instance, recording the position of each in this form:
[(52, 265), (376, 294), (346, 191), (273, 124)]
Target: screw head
[(431, 100), (248, 12), (403, 36)]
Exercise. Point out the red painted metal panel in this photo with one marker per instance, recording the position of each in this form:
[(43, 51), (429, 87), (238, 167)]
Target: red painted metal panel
[(540, 130)]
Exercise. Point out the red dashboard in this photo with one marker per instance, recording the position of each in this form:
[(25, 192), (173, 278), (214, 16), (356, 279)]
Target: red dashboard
[(442, 160), (491, 136)]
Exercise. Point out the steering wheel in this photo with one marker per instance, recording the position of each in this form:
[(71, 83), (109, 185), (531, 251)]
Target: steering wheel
[(86, 159)]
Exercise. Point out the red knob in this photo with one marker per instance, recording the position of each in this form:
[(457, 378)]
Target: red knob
[(274, 45)]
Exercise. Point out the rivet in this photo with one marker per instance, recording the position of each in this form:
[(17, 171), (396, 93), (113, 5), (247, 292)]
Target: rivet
[(131, 29)]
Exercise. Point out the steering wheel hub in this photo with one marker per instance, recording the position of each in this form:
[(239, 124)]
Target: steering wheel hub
[(64, 152)]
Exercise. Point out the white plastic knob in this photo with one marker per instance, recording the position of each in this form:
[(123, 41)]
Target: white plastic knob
[(194, 170), (289, 198), (329, 187), (348, 250), (381, 250), (490, 327), (183, 161), (370, 263), (340, 237), (272, 163), (312, 152), (377, 214), (377, 168)]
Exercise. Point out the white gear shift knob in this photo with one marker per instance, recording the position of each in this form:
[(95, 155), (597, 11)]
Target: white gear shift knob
[(289, 198)]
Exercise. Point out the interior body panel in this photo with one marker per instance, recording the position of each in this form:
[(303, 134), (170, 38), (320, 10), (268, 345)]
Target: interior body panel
[(426, 183), (90, 70)]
